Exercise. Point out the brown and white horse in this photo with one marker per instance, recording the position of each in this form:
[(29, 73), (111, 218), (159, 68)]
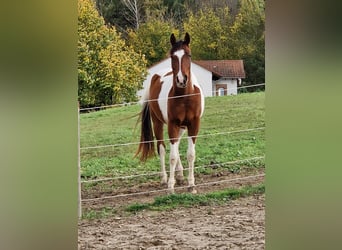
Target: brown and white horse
[(174, 98)]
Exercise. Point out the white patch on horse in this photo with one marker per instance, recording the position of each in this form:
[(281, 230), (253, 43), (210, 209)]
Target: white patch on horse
[(179, 166), (174, 155), (191, 161), (146, 91), (180, 53), (162, 164), (164, 94)]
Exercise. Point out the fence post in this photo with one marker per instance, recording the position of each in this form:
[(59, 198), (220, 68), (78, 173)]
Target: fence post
[(79, 165)]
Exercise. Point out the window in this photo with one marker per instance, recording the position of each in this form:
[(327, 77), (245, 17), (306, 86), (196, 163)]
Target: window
[(220, 92)]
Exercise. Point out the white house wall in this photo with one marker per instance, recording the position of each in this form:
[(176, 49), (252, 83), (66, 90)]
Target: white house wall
[(232, 87), (203, 76), (230, 83), (163, 65)]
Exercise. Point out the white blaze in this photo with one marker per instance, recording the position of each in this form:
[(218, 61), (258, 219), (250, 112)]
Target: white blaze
[(179, 54)]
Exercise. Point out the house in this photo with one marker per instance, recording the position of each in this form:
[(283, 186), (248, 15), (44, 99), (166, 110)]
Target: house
[(216, 77), (226, 75)]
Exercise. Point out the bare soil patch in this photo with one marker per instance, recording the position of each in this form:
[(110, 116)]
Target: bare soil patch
[(237, 224)]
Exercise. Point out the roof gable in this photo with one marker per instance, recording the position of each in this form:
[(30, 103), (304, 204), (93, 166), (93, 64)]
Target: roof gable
[(224, 68)]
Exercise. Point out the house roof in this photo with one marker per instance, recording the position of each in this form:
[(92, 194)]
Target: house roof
[(224, 68)]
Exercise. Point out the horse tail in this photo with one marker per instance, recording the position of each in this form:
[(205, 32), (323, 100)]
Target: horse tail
[(146, 146)]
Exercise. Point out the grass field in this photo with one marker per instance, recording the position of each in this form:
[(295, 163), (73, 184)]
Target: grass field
[(222, 114)]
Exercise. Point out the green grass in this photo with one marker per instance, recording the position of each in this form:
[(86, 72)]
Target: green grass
[(222, 114), (97, 214), (173, 201), (187, 200)]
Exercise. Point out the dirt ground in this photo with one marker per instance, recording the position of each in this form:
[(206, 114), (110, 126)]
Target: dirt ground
[(238, 224)]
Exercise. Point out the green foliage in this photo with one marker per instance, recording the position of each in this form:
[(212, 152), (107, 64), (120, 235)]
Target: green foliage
[(154, 10), (94, 214), (114, 13), (219, 29), (218, 35), (207, 33), (152, 39), (108, 70), (187, 199), (247, 39)]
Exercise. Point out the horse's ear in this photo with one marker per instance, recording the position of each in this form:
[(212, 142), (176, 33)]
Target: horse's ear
[(173, 39), (187, 38)]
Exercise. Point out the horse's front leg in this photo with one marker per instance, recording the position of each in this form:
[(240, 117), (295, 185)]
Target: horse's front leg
[(179, 166), (191, 153), (174, 154)]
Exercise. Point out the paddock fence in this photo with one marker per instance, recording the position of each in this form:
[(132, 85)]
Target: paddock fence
[(155, 173)]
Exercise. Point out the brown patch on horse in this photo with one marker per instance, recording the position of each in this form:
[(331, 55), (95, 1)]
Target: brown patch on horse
[(150, 113), (183, 110), (155, 89)]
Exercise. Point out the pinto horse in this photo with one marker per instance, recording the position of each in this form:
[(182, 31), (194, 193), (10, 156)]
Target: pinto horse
[(176, 99)]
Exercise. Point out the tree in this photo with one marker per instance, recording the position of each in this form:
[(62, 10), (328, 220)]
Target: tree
[(207, 33), (114, 13), (108, 70), (134, 14), (248, 39), (152, 39), (154, 10)]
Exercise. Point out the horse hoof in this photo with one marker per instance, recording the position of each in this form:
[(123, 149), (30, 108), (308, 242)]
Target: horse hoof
[(192, 190), (171, 191), (163, 184)]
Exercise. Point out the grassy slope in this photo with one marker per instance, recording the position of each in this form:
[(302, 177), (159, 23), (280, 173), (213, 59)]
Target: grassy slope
[(222, 114)]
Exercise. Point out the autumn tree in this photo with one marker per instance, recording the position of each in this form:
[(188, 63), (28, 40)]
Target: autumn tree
[(108, 70), (154, 10), (152, 39), (247, 39), (207, 34)]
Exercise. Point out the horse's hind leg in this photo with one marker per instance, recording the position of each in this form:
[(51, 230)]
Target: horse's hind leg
[(158, 131), (179, 166)]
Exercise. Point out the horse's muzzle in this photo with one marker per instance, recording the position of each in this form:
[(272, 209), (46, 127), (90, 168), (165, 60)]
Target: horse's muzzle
[(182, 84)]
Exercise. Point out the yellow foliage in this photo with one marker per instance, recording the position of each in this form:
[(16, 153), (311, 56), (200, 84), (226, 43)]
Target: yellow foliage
[(109, 70)]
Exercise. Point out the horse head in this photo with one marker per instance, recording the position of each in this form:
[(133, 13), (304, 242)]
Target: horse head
[(181, 61)]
